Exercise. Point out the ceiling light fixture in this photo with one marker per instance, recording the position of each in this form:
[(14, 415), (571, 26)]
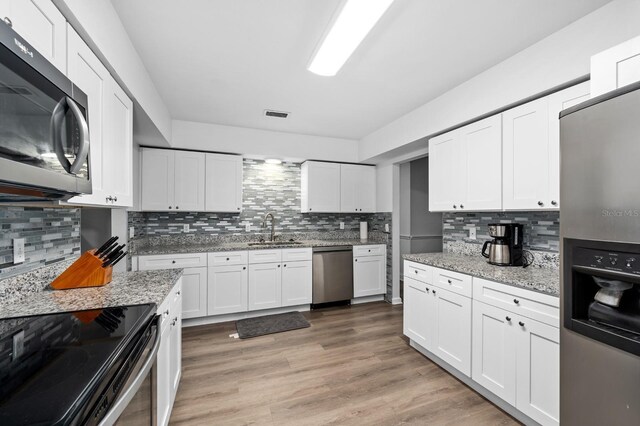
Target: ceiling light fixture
[(273, 161), (353, 23)]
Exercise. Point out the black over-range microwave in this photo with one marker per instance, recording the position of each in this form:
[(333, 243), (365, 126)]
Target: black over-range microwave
[(44, 135)]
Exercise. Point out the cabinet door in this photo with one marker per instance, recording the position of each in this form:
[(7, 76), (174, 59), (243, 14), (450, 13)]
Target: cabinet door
[(349, 182), (227, 289), (223, 183), (194, 293), (118, 146), (446, 173), (189, 181), (494, 350), (557, 102), (525, 161), (538, 371), (163, 378), (42, 26), (369, 276), (419, 312), (265, 286), (452, 336), (175, 357), (615, 67), (157, 179), (357, 188), (320, 192), (296, 283), (481, 151), (86, 71)]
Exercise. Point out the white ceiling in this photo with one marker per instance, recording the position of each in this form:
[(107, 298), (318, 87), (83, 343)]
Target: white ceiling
[(225, 61)]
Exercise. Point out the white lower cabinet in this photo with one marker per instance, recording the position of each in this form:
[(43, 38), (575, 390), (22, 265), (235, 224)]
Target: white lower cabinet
[(169, 359), (265, 286), (494, 350), (296, 283), (538, 371), (369, 270), (194, 292), (452, 336), (227, 288), (506, 351), (419, 312)]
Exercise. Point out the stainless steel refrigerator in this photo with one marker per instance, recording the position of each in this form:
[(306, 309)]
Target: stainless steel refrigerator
[(600, 260)]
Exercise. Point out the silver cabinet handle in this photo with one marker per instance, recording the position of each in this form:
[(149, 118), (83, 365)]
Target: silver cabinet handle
[(178, 292), (170, 207), (508, 318), (115, 199), (516, 301), (449, 281), (433, 291), (521, 323), (461, 206), (177, 207), (540, 203), (455, 206), (554, 203)]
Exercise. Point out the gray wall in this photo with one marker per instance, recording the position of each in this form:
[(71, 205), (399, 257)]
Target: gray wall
[(51, 234)]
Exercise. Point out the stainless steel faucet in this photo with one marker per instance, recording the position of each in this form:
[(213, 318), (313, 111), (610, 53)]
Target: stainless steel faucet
[(273, 224)]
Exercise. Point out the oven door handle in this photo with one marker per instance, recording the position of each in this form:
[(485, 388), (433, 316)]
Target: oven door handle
[(127, 395), (605, 273)]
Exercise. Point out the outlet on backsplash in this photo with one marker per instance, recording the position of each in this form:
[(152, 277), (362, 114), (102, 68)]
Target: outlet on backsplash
[(247, 226), (185, 227), (341, 225), (472, 233)]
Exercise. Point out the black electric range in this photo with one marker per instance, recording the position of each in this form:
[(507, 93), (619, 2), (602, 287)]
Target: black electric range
[(69, 368)]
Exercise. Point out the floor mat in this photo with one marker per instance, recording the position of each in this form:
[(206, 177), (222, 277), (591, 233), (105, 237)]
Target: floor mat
[(269, 324)]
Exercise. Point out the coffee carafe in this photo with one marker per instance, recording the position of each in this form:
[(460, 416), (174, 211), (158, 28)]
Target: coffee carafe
[(506, 247)]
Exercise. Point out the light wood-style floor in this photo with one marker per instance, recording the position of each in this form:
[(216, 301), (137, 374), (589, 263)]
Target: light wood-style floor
[(353, 366)]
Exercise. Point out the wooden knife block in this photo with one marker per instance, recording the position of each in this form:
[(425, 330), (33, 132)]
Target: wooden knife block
[(87, 271)]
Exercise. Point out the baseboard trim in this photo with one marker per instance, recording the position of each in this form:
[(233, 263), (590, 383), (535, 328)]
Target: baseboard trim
[(367, 299), (493, 398), (192, 322), (396, 301)]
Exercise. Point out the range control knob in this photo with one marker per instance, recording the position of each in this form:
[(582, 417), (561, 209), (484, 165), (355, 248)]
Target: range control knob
[(598, 259), (613, 261), (630, 262)]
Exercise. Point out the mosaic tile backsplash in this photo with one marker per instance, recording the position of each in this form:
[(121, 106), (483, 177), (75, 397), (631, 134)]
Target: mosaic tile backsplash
[(541, 229), (51, 235)]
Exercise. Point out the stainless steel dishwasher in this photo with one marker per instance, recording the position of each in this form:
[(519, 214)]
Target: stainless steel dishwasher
[(332, 274)]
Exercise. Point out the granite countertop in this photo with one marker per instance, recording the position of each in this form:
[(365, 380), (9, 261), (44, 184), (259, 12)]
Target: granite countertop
[(238, 246), (127, 288), (542, 280)]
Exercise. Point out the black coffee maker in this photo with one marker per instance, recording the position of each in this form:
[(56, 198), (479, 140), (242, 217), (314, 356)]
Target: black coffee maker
[(506, 247)]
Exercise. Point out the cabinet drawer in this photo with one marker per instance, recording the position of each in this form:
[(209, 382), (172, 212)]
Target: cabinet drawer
[(290, 255), (375, 250), (228, 258), (172, 261), (265, 256), (452, 281), (537, 306), (418, 271)]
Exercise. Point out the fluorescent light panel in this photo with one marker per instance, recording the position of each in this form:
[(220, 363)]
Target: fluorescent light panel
[(273, 161), (356, 19)]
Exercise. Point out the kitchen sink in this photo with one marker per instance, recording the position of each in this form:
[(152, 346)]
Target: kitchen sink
[(275, 243)]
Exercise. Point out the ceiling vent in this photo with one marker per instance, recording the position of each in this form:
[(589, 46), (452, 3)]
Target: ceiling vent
[(277, 114)]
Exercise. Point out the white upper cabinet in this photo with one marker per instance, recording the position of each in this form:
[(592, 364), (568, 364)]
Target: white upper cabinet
[(462, 168), (117, 151), (357, 188), (320, 187), (525, 161), (615, 67), (42, 25), (446, 177), (157, 179), (172, 180), (189, 182), (558, 102), (110, 119), (223, 183), (481, 156)]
